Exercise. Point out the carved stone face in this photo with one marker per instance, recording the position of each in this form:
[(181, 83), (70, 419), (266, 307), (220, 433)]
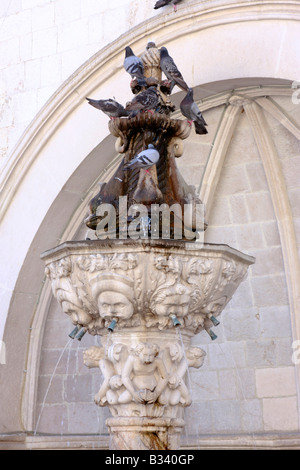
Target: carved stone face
[(114, 305), (147, 355), (176, 304), (76, 314)]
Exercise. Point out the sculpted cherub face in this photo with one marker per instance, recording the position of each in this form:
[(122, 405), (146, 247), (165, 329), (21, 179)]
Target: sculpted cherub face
[(176, 304), (146, 352), (147, 356), (114, 304)]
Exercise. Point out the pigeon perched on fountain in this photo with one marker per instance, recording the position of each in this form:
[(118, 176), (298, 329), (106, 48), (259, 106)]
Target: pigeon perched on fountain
[(110, 107), (162, 3), (134, 66), (191, 111), (147, 100), (145, 159), (171, 71)]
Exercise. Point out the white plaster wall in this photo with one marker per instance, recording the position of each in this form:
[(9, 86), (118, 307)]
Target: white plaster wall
[(42, 43)]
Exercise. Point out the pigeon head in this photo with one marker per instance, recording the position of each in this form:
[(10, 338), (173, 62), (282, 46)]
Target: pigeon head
[(128, 51), (190, 94), (151, 146), (163, 51), (150, 45)]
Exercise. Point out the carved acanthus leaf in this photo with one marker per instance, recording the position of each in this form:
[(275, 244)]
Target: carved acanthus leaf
[(59, 269), (99, 262)]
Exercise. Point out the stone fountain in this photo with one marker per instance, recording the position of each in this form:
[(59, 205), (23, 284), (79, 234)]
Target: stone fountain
[(145, 290)]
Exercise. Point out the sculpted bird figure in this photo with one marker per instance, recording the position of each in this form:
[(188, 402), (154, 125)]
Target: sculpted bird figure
[(147, 100), (191, 111), (171, 71), (145, 159), (134, 66), (110, 107)]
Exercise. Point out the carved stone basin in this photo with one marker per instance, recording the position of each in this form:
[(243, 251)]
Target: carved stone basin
[(158, 278), (146, 299)]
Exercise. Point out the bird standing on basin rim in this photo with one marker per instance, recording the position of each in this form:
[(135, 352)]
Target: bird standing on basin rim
[(146, 100), (110, 107)]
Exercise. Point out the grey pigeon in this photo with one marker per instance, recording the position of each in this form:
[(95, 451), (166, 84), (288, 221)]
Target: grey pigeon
[(171, 71), (134, 66), (191, 111), (162, 3), (144, 159), (112, 108), (147, 100)]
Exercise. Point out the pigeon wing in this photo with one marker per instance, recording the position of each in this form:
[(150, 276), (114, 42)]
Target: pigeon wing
[(171, 71), (144, 100), (200, 128), (133, 65), (196, 113), (111, 106)]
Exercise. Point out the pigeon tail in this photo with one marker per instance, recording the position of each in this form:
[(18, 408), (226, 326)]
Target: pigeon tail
[(199, 128)]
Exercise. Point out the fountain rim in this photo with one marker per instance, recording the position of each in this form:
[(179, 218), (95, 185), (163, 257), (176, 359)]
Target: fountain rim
[(147, 245)]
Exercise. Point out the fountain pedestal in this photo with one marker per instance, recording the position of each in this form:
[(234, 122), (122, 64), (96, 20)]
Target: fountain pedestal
[(146, 299)]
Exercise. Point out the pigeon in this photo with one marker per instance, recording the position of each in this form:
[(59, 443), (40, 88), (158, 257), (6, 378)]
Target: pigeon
[(147, 100), (134, 66), (144, 159), (162, 3), (191, 111), (110, 107), (171, 71)]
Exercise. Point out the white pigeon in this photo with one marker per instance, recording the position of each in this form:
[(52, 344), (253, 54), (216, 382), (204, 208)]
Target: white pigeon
[(144, 159)]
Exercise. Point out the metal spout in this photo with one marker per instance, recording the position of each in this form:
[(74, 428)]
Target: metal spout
[(214, 320), (112, 325), (175, 320), (81, 334), (74, 332), (212, 335)]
